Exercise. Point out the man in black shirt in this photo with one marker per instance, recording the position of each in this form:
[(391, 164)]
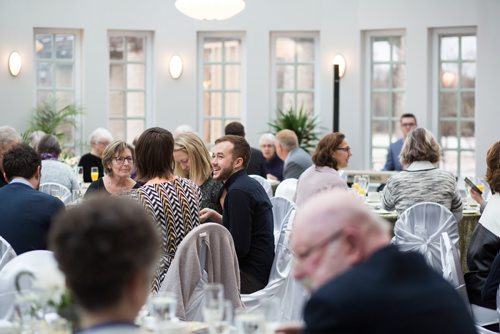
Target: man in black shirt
[(247, 212)]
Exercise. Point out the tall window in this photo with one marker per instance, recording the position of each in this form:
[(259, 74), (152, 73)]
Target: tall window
[(294, 56), (456, 100), (128, 82), (57, 65), (387, 92), (221, 60)]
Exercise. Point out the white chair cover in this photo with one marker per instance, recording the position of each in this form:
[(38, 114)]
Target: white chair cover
[(281, 286), (481, 330), (287, 189), (419, 229), (64, 193), (264, 183), (282, 208), (7, 253), (40, 263), (205, 255)]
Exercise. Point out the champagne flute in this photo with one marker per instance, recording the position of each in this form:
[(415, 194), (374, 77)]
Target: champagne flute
[(94, 173)]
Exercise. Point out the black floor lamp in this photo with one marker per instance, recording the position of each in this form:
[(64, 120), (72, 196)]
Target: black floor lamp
[(338, 73)]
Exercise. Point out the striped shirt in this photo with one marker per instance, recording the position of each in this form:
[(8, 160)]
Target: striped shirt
[(422, 182)]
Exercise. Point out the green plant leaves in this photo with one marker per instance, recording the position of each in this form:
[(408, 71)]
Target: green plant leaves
[(300, 122)]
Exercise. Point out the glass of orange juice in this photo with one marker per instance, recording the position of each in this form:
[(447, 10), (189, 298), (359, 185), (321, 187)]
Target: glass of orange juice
[(94, 173)]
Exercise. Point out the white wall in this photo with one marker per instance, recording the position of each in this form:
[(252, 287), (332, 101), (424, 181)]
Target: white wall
[(339, 22)]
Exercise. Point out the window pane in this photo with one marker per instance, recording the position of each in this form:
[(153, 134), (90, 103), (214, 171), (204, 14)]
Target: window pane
[(469, 48), (398, 76), (213, 76), (449, 48), (43, 45), (468, 104), (232, 104), (135, 76), (232, 49), (381, 75), (449, 75), (395, 131), (285, 77), (305, 77), (285, 101), (448, 132), (212, 130), (116, 107), (232, 79), (380, 134), (44, 74), (116, 46), (117, 128), (213, 104), (380, 104), (63, 98), (467, 163), (448, 104), (64, 75), (398, 49), (467, 138), (64, 46), (212, 50), (305, 49), (449, 161), (43, 95), (306, 100), (285, 49), (135, 104), (468, 75), (398, 104), (116, 78), (378, 158), (135, 49), (381, 49), (134, 128)]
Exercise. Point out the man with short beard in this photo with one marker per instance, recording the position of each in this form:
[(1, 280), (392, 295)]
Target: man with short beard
[(247, 212)]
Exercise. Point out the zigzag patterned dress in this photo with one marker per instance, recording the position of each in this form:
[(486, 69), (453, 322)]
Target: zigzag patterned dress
[(175, 208)]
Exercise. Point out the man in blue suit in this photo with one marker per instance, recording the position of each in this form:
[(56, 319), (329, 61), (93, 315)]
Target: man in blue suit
[(25, 213), (407, 122), (362, 284)]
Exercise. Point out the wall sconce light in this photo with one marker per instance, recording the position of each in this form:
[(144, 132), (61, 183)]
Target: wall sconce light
[(210, 9), (15, 63), (340, 60), (175, 67)]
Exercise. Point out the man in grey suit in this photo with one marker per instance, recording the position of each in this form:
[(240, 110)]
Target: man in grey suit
[(296, 159)]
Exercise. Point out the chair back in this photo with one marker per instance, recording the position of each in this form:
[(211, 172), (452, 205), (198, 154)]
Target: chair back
[(419, 229), (282, 208), (287, 189), (281, 286), (205, 255), (452, 269), (43, 267), (51, 188), (264, 183), (7, 253)]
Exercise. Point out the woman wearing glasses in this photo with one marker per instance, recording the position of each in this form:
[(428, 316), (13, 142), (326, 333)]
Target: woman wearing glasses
[(331, 154), (118, 162)]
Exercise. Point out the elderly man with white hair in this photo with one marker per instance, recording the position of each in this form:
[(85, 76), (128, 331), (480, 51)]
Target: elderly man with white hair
[(362, 284), (99, 139), (8, 138)]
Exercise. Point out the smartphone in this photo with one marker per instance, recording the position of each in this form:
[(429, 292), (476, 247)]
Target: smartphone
[(472, 185)]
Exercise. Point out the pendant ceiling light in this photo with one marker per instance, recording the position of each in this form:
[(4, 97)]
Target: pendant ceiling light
[(210, 9)]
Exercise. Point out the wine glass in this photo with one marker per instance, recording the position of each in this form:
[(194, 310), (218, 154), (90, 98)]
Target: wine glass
[(94, 173), (162, 306)]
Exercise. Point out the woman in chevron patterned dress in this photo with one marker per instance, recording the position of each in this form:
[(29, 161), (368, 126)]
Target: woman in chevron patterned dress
[(173, 202)]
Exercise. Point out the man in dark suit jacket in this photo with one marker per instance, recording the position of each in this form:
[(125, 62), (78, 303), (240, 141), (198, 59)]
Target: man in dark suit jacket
[(296, 160), (407, 122), (360, 283), (25, 213)]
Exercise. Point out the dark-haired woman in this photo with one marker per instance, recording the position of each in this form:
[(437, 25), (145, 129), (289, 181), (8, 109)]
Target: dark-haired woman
[(331, 154)]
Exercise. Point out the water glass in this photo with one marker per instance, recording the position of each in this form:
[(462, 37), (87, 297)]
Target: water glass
[(79, 174), (163, 306), (213, 304), (224, 326), (250, 322)]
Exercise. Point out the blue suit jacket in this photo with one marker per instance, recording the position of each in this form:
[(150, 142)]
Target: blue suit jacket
[(390, 293), (392, 160), (25, 216)]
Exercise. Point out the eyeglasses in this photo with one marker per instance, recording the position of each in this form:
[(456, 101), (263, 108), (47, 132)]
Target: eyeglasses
[(345, 149), (408, 124), (304, 255), (121, 160)]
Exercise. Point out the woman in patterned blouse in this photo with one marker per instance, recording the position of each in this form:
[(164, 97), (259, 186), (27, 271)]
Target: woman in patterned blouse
[(173, 202), (192, 161)]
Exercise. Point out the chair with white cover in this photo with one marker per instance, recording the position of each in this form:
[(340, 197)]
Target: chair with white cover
[(281, 286), (43, 275), (419, 229), (264, 183), (481, 330), (287, 189), (205, 255), (7, 253), (282, 209), (452, 272), (51, 188)]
